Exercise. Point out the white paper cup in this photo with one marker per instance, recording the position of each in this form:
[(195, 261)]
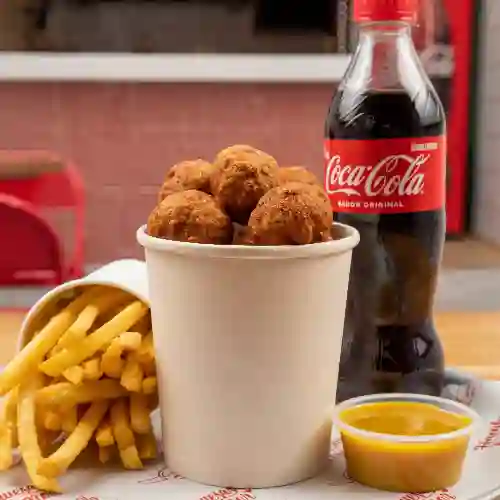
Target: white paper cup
[(128, 275), (248, 342)]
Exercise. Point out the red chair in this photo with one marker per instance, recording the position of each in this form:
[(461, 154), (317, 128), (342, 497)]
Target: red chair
[(31, 253), (41, 180)]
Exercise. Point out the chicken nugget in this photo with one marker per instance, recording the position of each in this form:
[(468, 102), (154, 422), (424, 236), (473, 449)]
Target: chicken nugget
[(231, 151), (292, 214), (296, 174), (190, 174), (191, 216), (241, 178)]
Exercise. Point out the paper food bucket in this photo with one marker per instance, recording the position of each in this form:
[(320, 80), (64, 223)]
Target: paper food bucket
[(128, 275), (248, 342)]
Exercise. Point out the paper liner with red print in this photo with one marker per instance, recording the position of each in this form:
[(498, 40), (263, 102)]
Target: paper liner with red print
[(480, 481)]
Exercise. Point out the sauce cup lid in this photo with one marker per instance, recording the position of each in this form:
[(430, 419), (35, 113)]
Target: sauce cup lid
[(441, 403)]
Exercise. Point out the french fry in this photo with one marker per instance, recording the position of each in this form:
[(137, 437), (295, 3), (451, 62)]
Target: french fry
[(52, 420), (146, 349), (92, 369), (9, 413), (70, 419), (147, 446), (105, 454), (10, 409), (78, 330), (8, 429), (83, 323), (65, 393), (132, 374), (57, 463), (112, 363), (6, 459), (33, 353), (146, 355), (95, 341), (139, 413), (27, 432), (104, 434), (74, 374), (130, 458), (124, 436), (149, 385), (130, 341)]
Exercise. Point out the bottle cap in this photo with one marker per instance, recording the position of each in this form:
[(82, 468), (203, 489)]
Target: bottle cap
[(385, 10)]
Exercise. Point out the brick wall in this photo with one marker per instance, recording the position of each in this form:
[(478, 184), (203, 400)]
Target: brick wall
[(124, 136), (487, 172)]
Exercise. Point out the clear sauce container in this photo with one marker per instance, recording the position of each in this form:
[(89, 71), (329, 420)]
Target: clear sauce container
[(405, 442)]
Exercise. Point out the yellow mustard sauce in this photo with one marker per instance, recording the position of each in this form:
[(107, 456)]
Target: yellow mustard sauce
[(404, 466)]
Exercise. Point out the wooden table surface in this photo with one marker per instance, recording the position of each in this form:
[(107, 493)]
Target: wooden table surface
[(471, 340)]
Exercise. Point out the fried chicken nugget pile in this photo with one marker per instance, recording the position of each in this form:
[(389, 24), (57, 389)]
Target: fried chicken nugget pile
[(292, 214), (243, 197)]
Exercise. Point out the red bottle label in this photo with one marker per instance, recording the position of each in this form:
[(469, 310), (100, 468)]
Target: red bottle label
[(386, 175)]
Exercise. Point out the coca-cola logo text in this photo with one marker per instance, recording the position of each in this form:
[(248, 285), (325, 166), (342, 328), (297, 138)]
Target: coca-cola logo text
[(399, 175)]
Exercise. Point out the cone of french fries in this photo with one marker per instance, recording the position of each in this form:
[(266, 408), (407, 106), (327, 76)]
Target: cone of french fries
[(84, 377)]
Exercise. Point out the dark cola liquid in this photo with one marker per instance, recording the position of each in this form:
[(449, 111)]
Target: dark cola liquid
[(390, 343)]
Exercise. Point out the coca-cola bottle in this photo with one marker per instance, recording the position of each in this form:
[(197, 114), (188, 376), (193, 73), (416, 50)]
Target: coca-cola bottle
[(385, 156)]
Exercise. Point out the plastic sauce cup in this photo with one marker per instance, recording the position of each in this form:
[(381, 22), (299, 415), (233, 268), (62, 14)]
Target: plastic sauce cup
[(405, 442)]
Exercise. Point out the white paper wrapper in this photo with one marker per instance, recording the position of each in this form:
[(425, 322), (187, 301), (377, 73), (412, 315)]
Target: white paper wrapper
[(481, 479)]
